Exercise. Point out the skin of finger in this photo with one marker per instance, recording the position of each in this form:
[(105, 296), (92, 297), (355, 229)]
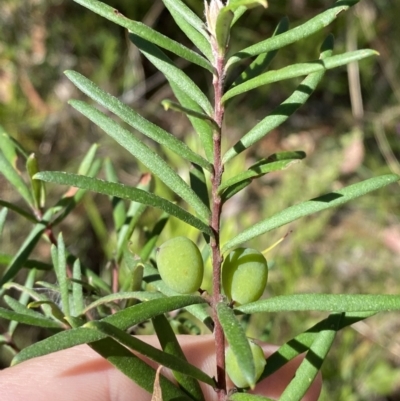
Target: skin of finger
[(80, 374)]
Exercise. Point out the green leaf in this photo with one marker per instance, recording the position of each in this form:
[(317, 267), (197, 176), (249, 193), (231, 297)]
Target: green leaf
[(29, 319), (248, 397), (20, 308), (77, 288), (135, 210), (135, 344), (124, 319), (119, 296), (136, 369), (3, 216), (285, 109), (20, 258), (298, 70), (145, 32), (169, 104), (22, 301), (124, 192), (69, 202), (88, 160), (263, 60), (203, 128), (275, 162), (6, 259), (147, 156), (60, 268), (173, 74), (324, 202), (135, 120), (191, 25), (303, 341), (223, 28), (238, 342), (18, 210), (15, 179), (118, 205), (169, 343), (311, 364), (308, 28), (38, 190), (324, 302), (234, 4), (56, 312), (198, 183)]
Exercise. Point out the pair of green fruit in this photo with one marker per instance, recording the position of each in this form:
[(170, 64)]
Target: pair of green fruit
[(181, 267), (244, 277)]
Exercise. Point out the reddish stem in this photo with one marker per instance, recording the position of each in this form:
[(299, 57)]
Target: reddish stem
[(215, 225)]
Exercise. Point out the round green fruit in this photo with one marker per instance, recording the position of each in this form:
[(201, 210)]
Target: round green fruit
[(234, 371), (244, 275), (180, 265)]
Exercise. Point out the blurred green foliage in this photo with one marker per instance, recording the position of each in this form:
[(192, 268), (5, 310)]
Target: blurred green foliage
[(346, 139)]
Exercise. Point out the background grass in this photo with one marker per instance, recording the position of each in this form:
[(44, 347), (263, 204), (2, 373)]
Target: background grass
[(347, 138)]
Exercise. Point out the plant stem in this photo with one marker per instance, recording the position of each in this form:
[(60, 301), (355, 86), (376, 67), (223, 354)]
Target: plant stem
[(215, 225)]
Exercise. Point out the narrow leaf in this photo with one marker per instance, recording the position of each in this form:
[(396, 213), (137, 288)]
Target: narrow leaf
[(285, 109), (260, 64), (143, 153), (20, 305), (238, 342), (18, 210), (136, 369), (298, 70), (3, 216), (191, 25), (275, 162), (173, 74), (198, 183), (134, 119), (169, 104), (72, 199), (324, 202), (88, 160), (135, 344), (311, 364), (118, 205), (14, 178), (124, 319), (77, 288), (248, 397), (38, 191), (61, 273), (135, 210), (124, 192), (119, 296), (308, 28), (29, 319), (203, 128), (223, 28), (20, 258), (303, 341), (169, 343), (324, 302), (145, 32)]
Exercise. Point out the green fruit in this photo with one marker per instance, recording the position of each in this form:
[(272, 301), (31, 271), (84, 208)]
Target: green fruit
[(244, 275), (180, 265), (234, 371)]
